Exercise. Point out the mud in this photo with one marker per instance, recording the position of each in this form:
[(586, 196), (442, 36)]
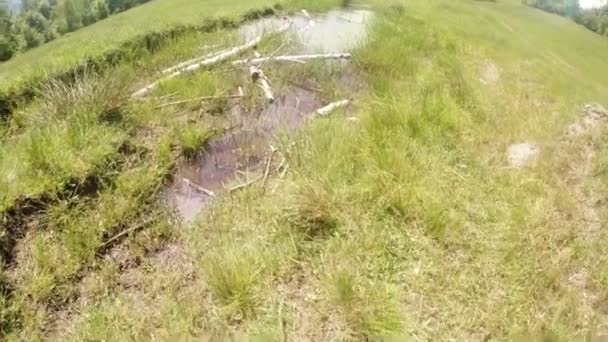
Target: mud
[(244, 151)]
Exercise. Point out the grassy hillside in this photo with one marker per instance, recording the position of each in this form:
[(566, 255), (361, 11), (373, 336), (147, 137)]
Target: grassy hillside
[(111, 32), (400, 217)]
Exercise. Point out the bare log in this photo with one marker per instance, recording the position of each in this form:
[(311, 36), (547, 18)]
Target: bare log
[(257, 75), (189, 62), (234, 51), (292, 59), (207, 62), (145, 90), (199, 188), (330, 108)]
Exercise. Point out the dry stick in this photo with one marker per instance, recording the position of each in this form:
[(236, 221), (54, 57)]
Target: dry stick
[(199, 188), (246, 184), (207, 62), (281, 164), (274, 53), (292, 58), (311, 21), (267, 172), (209, 47), (284, 171), (125, 232), (203, 98), (330, 108), (305, 12), (257, 75)]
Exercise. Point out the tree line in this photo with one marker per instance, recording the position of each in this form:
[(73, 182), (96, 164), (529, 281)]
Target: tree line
[(41, 21), (595, 19)]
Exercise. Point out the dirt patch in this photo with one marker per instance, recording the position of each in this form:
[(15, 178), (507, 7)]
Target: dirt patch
[(577, 178), (302, 302), (521, 155), (490, 74), (593, 116)]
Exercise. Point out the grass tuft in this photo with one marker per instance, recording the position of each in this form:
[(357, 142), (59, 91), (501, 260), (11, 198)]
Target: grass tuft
[(311, 211), (192, 139), (232, 278), (370, 310)]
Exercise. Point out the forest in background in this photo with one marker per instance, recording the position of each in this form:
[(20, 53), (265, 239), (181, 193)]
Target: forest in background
[(41, 21), (595, 19)]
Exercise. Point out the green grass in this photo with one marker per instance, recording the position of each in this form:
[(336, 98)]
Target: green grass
[(405, 223), (108, 34)]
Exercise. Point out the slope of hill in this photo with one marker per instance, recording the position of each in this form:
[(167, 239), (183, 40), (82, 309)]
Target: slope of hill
[(461, 197), (111, 32)]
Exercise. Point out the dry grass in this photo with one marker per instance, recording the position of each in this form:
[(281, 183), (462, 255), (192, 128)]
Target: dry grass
[(404, 223)]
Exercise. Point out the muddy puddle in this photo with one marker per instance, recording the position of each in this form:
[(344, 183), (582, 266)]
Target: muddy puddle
[(237, 156), (241, 154)]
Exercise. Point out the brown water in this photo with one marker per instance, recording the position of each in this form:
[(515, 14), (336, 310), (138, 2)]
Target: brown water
[(245, 150)]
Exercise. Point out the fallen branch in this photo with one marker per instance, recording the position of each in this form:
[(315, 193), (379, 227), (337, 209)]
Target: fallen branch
[(257, 75), (330, 108), (246, 184), (234, 51), (311, 22), (207, 62), (292, 59), (189, 62), (199, 188), (125, 232), (281, 165), (208, 47), (284, 171), (267, 172), (305, 12), (203, 98)]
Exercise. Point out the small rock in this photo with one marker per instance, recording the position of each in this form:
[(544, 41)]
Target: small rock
[(520, 155)]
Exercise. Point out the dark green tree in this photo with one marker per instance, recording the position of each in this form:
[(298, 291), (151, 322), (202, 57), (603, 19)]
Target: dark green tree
[(73, 18)]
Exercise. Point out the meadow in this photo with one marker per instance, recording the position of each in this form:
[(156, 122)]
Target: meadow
[(399, 217)]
